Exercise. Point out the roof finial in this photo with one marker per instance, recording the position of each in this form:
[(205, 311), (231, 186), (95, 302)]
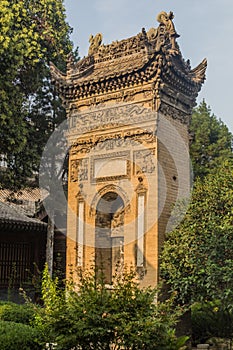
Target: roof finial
[(95, 42), (166, 19)]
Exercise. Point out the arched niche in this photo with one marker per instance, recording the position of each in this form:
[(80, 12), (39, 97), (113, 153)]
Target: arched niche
[(109, 233), (108, 189)]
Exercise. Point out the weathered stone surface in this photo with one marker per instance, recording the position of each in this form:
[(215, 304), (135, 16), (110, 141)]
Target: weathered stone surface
[(129, 106)]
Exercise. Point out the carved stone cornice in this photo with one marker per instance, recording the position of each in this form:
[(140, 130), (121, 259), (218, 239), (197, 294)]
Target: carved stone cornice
[(140, 93), (176, 98), (86, 144), (176, 113)]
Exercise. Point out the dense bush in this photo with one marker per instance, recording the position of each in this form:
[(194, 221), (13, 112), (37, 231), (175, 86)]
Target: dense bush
[(18, 336), (16, 313), (211, 320), (93, 315)]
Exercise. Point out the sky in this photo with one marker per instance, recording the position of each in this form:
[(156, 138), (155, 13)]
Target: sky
[(205, 28)]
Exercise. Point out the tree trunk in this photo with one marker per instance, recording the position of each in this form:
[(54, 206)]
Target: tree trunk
[(50, 244)]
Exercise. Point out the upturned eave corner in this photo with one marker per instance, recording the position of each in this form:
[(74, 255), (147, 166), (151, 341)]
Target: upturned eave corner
[(198, 73), (56, 75)]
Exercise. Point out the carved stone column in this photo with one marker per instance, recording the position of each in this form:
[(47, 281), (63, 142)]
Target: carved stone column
[(80, 228), (141, 197)]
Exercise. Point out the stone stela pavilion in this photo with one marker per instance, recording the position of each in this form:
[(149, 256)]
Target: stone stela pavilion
[(129, 106)]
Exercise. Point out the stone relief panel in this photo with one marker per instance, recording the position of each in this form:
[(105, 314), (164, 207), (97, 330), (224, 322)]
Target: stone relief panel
[(99, 118), (113, 141), (144, 161), (110, 167), (79, 170)]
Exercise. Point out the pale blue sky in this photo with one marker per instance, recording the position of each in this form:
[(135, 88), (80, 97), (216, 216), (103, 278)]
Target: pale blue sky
[(205, 28)]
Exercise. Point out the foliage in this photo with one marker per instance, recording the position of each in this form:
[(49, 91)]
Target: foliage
[(16, 313), (212, 141), (211, 320), (32, 33), (16, 335), (93, 315), (197, 259)]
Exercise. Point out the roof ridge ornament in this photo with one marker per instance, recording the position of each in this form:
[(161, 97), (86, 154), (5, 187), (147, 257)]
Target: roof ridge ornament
[(165, 19), (95, 42)]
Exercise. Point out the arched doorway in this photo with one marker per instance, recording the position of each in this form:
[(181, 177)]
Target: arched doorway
[(109, 234)]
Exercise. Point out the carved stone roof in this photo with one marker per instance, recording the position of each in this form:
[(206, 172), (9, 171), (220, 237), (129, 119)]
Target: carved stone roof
[(149, 56)]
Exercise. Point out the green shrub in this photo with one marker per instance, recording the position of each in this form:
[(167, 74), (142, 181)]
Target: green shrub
[(15, 335), (16, 313), (211, 320), (93, 315)]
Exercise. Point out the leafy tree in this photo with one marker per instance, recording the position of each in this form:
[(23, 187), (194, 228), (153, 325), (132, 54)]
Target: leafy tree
[(93, 315), (197, 259), (32, 33), (212, 141)]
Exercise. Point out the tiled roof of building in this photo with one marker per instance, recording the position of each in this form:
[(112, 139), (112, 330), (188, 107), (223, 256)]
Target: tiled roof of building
[(13, 218), (30, 194), (25, 201)]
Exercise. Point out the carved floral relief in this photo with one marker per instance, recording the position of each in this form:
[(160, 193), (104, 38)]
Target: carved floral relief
[(79, 170), (144, 161)]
